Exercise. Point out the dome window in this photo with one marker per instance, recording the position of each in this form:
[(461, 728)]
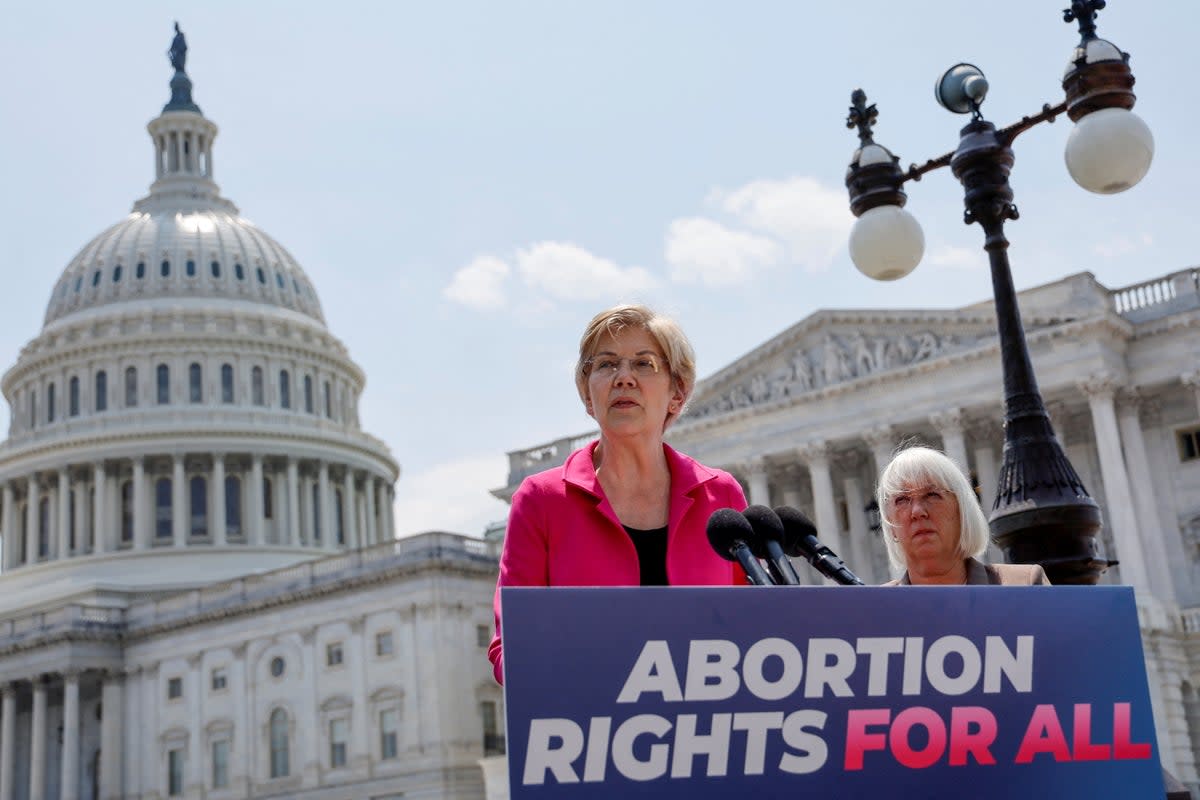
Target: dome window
[(295, 286), (117, 274), (328, 401), (216, 269), (191, 268), (162, 508), (131, 392), (195, 383), (50, 403), (262, 278), (163, 377), (140, 272), (226, 383), (198, 516), (233, 505), (238, 272), (308, 394), (73, 396), (78, 284), (126, 512), (101, 391), (166, 268), (285, 389), (96, 278), (278, 280)]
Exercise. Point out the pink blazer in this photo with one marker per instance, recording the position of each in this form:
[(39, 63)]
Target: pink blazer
[(562, 531)]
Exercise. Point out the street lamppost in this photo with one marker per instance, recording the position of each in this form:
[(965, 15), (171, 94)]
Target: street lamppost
[(1042, 512)]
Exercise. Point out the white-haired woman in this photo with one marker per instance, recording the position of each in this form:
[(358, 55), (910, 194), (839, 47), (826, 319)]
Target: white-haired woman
[(934, 529)]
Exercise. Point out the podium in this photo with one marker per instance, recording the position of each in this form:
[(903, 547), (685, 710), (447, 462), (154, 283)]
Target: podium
[(932, 692)]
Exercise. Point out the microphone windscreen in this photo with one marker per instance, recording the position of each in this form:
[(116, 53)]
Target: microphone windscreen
[(767, 525), (797, 530), (726, 526)]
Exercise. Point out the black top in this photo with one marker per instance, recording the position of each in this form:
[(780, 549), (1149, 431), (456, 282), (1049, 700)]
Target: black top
[(652, 554)]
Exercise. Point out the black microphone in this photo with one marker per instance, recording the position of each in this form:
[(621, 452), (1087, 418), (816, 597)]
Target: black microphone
[(800, 539), (728, 532), (767, 544)]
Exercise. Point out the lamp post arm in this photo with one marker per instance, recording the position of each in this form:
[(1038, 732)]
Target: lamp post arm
[(1048, 114), (1005, 135)]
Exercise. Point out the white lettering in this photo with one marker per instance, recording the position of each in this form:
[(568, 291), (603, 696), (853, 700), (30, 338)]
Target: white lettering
[(654, 671), (540, 755), (689, 744), (822, 672), (712, 670), (789, 678), (1018, 667), (655, 766), (812, 747), (879, 648), (756, 724)]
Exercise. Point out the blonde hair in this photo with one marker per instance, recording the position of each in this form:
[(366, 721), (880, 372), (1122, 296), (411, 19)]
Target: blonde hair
[(915, 466), (681, 359)]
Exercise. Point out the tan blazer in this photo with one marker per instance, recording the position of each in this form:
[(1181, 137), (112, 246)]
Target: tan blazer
[(980, 574)]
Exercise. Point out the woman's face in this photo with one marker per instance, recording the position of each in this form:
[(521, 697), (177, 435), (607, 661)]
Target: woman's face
[(927, 524), (629, 386)]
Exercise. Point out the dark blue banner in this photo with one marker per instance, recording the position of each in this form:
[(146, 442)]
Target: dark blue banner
[(981, 692)]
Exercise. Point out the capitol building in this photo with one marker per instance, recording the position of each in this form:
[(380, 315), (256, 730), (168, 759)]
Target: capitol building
[(809, 418), (202, 595)]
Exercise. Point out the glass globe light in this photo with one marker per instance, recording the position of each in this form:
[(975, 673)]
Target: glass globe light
[(886, 243), (1109, 150)]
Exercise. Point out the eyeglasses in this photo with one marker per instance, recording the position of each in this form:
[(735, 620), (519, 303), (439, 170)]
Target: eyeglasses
[(930, 497), (607, 367)]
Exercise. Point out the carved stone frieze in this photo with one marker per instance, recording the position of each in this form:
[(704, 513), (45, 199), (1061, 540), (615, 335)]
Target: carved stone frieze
[(836, 358)]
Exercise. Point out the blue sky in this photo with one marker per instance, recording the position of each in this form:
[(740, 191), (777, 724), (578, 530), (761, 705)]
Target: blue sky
[(466, 183)]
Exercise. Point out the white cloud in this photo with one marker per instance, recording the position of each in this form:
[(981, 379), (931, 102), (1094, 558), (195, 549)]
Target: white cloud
[(568, 272), (703, 251), (812, 219), (1122, 245), (480, 284), (951, 257), (452, 496)]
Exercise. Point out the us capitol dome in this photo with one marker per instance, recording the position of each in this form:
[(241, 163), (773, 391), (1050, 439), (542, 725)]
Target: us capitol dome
[(184, 415)]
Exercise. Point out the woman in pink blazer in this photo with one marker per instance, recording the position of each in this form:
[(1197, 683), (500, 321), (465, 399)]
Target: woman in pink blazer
[(626, 510)]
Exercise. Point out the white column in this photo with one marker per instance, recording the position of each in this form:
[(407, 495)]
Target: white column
[(369, 513), (8, 739), (308, 525), (194, 777), (881, 440), (63, 526), (255, 504), (359, 720), (1151, 532), (816, 456), (100, 489), (148, 730), (241, 758), (179, 509), (328, 529), (37, 746), (1100, 389), (131, 781), (82, 514), (11, 545), (756, 478), (141, 510), (949, 424), (33, 500), (111, 703), (312, 736), (348, 526), (69, 785), (389, 511), (860, 554), (292, 529), (383, 524), (216, 517)]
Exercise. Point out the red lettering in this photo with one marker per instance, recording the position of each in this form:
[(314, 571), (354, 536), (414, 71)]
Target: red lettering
[(1044, 735), (903, 750), (965, 741), (858, 740), (1082, 736), (1123, 749)]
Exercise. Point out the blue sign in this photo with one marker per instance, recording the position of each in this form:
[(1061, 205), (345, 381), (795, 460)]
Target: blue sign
[(982, 692)]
